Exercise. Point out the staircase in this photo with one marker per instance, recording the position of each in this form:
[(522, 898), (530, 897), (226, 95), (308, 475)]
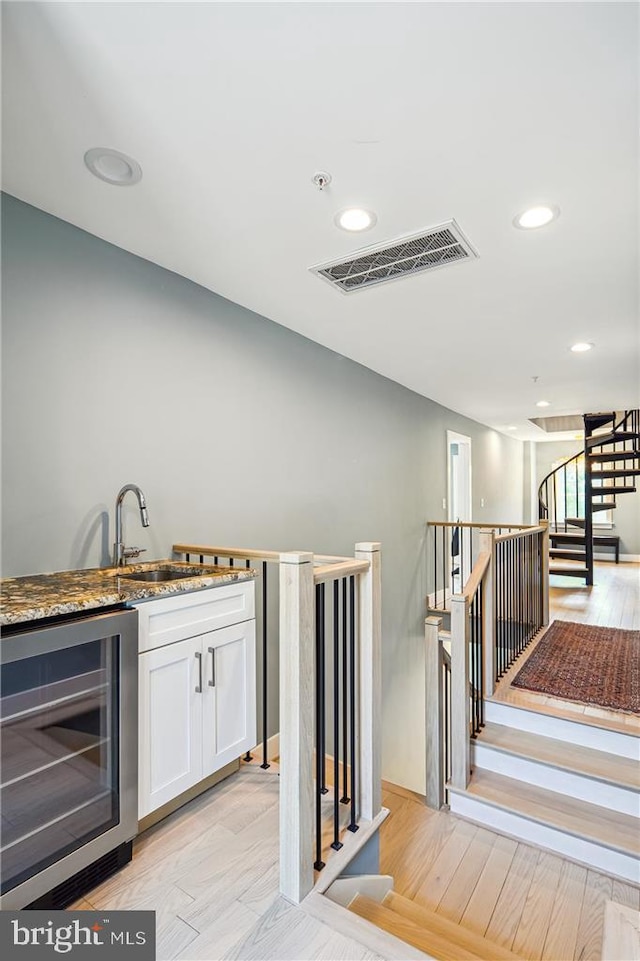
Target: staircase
[(426, 930), (567, 785), (588, 484)]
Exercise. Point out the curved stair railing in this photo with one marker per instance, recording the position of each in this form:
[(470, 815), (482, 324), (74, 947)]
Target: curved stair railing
[(587, 484)]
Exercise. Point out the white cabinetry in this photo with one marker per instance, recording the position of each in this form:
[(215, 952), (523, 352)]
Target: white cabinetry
[(197, 701)]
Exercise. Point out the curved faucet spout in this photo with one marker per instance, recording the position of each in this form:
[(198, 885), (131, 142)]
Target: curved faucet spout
[(119, 553)]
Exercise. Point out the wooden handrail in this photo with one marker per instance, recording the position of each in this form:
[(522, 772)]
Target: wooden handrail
[(252, 553), (513, 527), (476, 575), (331, 572), (208, 551), (530, 530)]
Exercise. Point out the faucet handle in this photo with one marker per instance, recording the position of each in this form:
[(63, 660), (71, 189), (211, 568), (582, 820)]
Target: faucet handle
[(133, 551)]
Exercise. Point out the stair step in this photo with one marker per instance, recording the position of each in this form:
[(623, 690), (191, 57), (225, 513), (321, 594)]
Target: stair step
[(559, 721), (567, 537), (593, 421), (459, 936), (568, 571), (608, 841), (613, 489), (616, 472), (575, 521), (599, 765), (613, 438), (610, 456), (610, 782), (433, 943), (567, 554)]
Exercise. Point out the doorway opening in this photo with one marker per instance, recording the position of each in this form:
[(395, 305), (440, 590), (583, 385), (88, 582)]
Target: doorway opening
[(459, 503)]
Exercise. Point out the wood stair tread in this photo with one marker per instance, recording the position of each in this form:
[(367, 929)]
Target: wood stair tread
[(614, 455), (608, 472), (611, 829), (611, 438), (587, 761), (567, 554), (438, 923), (567, 570), (432, 942)]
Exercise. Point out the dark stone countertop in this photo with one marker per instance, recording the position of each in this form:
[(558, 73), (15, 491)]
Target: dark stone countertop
[(38, 596)]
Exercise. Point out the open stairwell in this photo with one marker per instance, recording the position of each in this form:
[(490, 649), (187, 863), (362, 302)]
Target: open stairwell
[(426, 930), (573, 495), (567, 786)]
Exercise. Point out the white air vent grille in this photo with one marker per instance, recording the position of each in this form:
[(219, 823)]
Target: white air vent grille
[(426, 250)]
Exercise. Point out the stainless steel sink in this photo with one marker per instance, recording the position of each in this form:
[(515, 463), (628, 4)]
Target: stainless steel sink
[(157, 576)]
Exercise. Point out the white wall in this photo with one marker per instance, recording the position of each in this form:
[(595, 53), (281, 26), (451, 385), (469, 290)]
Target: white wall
[(238, 431)]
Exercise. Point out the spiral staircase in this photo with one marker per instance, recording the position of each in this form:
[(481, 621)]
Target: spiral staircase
[(587, 484)]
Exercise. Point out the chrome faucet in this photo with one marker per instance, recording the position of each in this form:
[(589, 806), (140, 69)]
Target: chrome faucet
[(120, 552)]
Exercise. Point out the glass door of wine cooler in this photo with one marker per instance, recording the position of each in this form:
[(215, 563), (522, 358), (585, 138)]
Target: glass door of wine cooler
[(61, 744)]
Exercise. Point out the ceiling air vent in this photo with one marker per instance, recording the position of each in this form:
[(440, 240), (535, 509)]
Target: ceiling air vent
[(412, 254)]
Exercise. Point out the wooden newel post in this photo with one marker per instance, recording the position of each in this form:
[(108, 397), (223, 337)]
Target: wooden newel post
[(297, 625), (487, 543), (370, 678), (460, 706), (434, 720), (544, 572)]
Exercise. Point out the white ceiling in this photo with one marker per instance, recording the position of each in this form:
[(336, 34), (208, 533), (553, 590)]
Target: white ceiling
[(421, 112)]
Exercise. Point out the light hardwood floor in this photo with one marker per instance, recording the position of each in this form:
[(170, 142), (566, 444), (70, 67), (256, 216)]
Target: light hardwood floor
[(613, 601), (210, 870), (537, 904)]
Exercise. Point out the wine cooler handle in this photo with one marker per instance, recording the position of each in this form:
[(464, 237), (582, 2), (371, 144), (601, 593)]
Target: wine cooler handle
[(212, 682), (199, 685)]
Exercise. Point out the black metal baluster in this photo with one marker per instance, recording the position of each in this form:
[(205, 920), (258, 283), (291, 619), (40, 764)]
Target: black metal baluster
[(352, 683), (323, 700), (345, 698), (318, 863), (202, 558), (215, 560), (481, 622), (231, 562), (265, 764), (435, 567), (187, 557), (337, 843), (444, 568)]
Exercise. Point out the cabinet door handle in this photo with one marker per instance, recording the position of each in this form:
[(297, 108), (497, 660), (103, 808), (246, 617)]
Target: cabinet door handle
[(199, 685), (212, 651)]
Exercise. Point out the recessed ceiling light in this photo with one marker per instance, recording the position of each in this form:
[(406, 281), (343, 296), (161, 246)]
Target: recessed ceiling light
[(538, 216), (355, 219), (581, 348), (512, 428), (543, 403), (113, 167)]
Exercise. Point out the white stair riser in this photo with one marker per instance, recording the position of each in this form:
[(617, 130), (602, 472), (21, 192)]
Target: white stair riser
[(610, 796), (572, 732), (374, 886), (578, 849)]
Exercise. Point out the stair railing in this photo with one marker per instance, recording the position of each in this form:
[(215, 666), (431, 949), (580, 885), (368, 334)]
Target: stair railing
[(354, 587), (329, 688), (563, 486), (452, 550), (502, 606)]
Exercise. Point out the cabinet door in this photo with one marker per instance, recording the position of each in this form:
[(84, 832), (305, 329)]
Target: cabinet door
[(170, 722), (229, 721)]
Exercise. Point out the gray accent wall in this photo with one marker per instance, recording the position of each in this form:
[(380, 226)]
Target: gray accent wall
[(239, 431), (626, 516)]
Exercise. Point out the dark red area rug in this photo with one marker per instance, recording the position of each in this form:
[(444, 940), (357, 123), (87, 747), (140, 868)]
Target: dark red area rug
[(580, 662)]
